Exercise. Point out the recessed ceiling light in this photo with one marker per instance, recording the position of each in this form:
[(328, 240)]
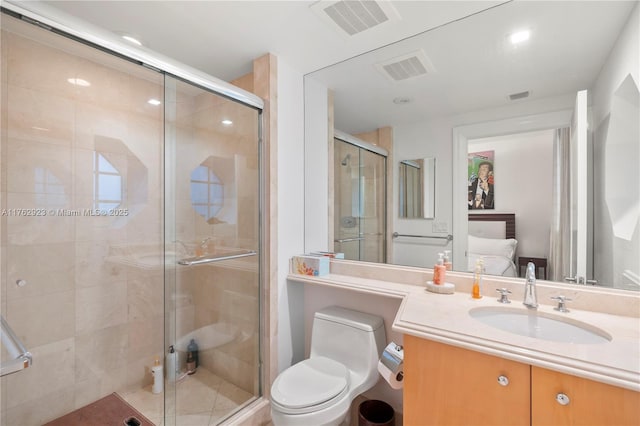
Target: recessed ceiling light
[(154, 102), (402, 101), (520, 36), (132, 40), (227, 122), (79, 82), (42, 129)]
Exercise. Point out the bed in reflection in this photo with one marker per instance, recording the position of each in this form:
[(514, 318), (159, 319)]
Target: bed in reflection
[(492, 237)]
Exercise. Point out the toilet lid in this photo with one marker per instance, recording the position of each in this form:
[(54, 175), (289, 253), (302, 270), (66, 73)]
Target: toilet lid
[(310, 382)]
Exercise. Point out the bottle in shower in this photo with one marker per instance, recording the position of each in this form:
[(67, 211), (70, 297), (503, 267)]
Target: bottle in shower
[(191, 363), (193, 348)]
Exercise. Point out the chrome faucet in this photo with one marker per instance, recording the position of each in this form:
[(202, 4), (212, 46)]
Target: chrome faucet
[(530, 297)]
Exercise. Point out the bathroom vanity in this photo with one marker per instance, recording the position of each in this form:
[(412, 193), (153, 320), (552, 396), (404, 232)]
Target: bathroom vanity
[(489, 390), (462, 368)]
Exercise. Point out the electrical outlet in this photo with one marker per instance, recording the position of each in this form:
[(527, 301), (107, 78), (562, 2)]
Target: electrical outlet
[(439, 226)]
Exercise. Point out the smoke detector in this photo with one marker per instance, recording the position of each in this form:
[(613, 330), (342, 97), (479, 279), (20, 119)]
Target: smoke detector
[(405, 67), (351, 17)]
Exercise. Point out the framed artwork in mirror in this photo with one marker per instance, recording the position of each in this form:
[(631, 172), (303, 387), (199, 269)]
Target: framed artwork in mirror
[(481, 194)]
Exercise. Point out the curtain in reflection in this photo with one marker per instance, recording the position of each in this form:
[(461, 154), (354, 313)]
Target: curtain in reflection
[(559, 253)]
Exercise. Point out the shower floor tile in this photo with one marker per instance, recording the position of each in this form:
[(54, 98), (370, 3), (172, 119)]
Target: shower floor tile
[(202, 399)]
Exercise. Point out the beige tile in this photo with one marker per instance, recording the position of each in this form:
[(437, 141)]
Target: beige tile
[(149, 404), (97, 120), (40, 117), (139, 370), (97, 228), (38, 168), (102, 353), (27, 59), (109, 85), (145, 297), (40, 411), (42, 221), (38, 320), (46, 268), (51, 372), (92, 267), (192, 396), (146, 340), (101, 306)]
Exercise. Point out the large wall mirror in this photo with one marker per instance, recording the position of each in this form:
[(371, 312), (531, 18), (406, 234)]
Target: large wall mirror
[(545, 93)]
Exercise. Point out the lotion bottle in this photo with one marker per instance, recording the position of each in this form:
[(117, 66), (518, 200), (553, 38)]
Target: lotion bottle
[(172, 364), (477, 280), (439, 271), (158, 377)]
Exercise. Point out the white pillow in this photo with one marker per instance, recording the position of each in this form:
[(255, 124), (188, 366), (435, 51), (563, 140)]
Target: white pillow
[(493, 246)]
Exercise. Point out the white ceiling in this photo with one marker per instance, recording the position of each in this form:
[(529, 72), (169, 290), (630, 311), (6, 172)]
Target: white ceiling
[(474, 66), (222, 38)]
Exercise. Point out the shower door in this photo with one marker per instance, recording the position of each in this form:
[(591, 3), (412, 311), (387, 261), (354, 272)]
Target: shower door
[(81, 223), (130, 205), (359, 202), (212, 237)]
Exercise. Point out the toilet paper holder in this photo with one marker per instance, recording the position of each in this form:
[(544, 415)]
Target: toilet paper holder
[(391, 365)]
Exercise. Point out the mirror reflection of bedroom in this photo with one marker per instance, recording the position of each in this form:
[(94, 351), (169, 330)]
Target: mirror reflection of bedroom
[(520, 182)]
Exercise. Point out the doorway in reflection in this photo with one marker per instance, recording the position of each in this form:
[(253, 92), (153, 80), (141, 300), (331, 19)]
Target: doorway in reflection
[(359, 202)]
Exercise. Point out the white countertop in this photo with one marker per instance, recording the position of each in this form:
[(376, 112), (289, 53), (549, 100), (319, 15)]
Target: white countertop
[(445, 318)]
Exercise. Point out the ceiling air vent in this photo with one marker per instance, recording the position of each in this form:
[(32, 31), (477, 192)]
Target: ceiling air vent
[(355, 16), (521, 95), (405, 67)]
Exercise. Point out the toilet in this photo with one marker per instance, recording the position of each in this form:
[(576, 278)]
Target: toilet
[(345, 348)]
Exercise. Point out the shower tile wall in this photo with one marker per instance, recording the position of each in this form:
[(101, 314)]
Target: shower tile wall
[(93, 322)]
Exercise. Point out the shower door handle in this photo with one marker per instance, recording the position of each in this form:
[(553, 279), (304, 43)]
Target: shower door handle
[(347, 240), (20, 357), (212, 259)]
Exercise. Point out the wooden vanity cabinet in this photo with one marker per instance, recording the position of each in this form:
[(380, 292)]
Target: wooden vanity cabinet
[(446, 385), (587, 402)]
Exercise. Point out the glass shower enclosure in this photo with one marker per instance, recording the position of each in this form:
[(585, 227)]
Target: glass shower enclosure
[(130, 203), (360, 183)]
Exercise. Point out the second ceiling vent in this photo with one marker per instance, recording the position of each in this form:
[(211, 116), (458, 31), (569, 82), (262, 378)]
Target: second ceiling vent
[(405, 67), (355, 16)]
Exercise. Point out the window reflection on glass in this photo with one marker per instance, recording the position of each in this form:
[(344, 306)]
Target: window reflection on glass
[(49, 191), (207, 192), (107, 183)]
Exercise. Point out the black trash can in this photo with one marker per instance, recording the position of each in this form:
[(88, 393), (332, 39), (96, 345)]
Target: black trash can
[(376, 413)]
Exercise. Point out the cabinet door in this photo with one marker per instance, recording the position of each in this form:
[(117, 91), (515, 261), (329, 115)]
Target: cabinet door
[(446, 385), (588, 403)]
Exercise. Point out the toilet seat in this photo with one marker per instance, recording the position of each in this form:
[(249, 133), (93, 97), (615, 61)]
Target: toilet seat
[(310, 385)]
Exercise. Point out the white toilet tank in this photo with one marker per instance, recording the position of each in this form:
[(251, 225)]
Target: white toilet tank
[(355, 339)]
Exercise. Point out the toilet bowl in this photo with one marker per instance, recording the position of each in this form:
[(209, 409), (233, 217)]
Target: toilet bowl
[(345, 348)]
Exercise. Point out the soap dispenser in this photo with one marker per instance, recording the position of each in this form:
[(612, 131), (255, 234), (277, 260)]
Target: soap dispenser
[(439, 271), (477, 280)]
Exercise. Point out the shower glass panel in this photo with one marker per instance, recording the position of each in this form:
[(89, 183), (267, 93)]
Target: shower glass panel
[(129, 223), (81, 155), (359, 203), (212, 298)]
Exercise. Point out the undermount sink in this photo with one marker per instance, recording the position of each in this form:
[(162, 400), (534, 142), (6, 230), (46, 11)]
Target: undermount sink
[(539, 325)]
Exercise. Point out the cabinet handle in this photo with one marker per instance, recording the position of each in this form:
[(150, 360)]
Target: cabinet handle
[(503, 380), (562, 399)]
